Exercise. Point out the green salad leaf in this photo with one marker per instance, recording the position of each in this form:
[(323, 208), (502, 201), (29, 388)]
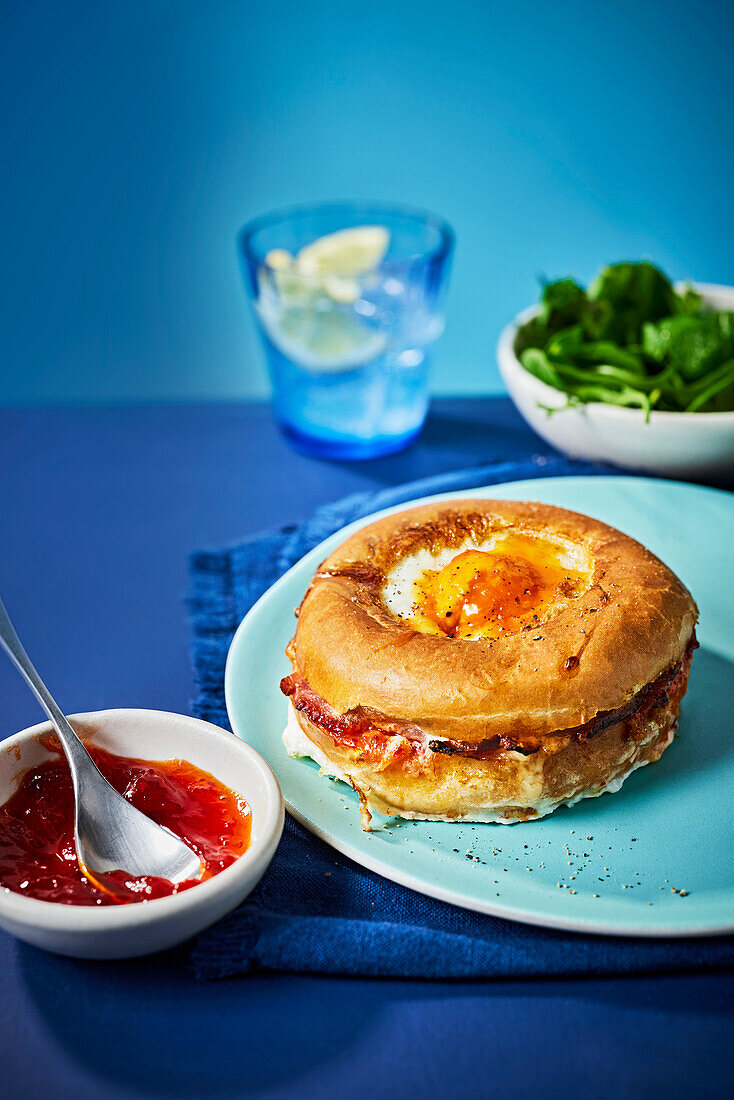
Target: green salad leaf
[(631, 339)]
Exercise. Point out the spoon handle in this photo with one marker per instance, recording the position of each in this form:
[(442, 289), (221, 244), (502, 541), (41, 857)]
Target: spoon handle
[(13, 646)]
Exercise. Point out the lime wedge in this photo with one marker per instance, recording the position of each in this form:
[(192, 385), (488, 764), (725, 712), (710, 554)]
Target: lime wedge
[(303, 300), (323, 342), (346, 252)]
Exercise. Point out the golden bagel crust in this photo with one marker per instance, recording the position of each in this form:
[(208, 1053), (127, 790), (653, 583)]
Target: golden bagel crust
[(632, 624)]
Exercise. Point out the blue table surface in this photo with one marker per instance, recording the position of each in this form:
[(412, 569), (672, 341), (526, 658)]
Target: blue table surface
[(99, 509)]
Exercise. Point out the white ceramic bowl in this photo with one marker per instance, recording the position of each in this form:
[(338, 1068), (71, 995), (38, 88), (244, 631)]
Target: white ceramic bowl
[(671, 443), (122, 931)]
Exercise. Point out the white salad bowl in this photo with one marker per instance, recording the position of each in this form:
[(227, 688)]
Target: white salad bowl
[(139, 928), (671, 443)]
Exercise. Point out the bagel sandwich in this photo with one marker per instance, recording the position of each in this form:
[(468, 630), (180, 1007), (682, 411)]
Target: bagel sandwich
[(480, 660)]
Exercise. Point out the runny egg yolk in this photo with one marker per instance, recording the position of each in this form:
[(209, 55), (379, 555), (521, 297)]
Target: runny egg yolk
[(487, 593)]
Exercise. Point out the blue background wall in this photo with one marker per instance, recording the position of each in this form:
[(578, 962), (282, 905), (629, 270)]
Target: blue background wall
[(138, 136)]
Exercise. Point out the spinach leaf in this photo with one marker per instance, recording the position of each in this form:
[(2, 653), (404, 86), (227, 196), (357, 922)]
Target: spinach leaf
[(561, 301), (694, 344), (637, 292), (537, 363), (631, 339)]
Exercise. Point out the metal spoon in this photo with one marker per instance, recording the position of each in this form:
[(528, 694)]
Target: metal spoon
[(110, 834)]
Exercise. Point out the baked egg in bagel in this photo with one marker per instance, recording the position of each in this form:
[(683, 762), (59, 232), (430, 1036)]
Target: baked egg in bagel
[(480, 660)]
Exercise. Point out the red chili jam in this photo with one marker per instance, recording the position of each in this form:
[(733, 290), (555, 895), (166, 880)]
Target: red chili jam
[(37, 855)]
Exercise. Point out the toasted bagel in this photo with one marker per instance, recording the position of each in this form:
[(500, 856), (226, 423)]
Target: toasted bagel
[(525, 655)]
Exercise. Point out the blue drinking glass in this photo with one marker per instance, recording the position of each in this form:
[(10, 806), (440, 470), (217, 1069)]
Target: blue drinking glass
[(349, 301)]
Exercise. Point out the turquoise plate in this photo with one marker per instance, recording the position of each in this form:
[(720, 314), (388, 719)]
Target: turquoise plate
[(657, 858)]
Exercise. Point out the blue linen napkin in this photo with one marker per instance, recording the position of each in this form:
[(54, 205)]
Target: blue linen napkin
[(317, 911)]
